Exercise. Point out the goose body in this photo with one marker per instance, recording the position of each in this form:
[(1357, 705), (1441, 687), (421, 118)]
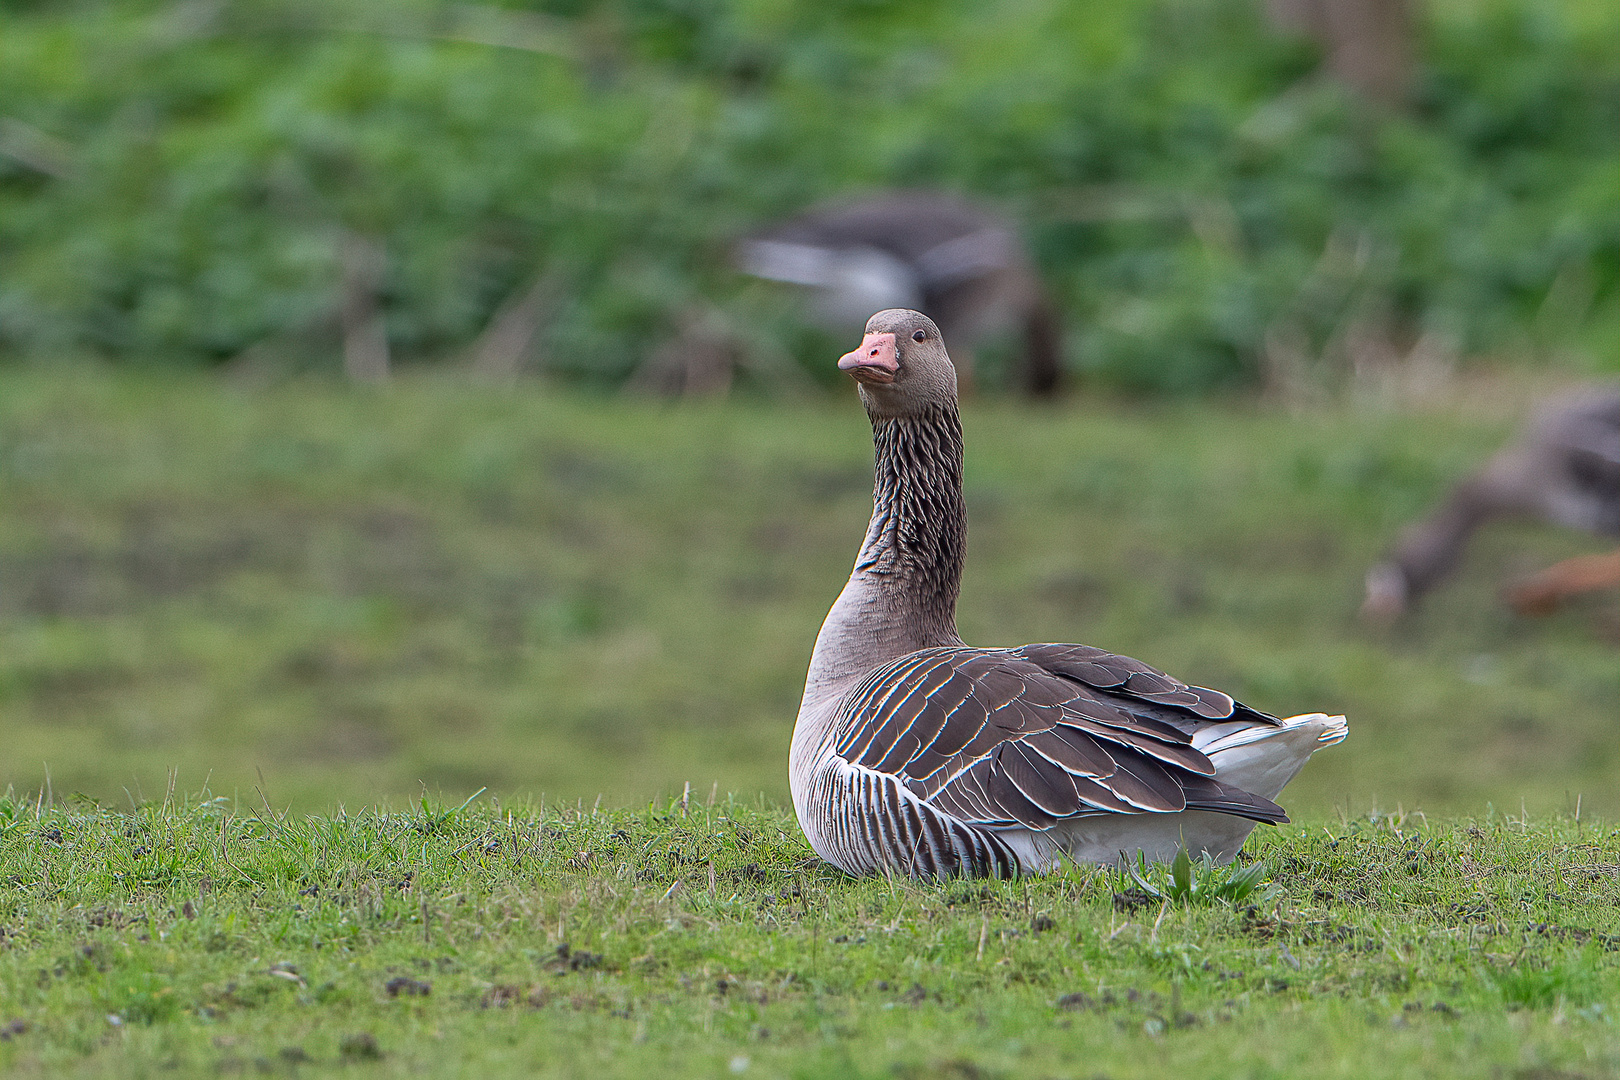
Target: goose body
[(961, 263), (916, 753), (1564, 469)]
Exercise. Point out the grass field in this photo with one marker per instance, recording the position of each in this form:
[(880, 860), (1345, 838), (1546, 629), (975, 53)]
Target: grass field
[(319, 601), (339, 595), (199, 937)]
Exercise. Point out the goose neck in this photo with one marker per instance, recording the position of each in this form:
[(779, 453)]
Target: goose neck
[(916, 541), (901, 596)]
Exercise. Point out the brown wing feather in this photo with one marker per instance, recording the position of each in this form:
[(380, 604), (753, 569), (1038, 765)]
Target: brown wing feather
[(1208, 793), (1009, 799), (1094, 795), (1072, 751), (1176, 753), (1035, 735), (1143, 782), (889, 694), (1127, 716), (1052, 790), (917, 721), (1107, 671)]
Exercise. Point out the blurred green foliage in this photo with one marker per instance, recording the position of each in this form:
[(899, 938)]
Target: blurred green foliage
[(176, 176)]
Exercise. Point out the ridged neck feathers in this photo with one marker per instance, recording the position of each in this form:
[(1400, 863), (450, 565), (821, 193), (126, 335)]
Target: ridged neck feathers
[(917, 539)]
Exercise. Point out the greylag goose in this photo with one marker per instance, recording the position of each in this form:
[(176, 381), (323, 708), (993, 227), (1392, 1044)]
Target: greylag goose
[(917, 754), (1563, 469), (960, 263)]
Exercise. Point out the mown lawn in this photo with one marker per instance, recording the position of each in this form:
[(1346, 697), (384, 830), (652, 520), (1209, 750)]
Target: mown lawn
[(338, 595), (204, 937)]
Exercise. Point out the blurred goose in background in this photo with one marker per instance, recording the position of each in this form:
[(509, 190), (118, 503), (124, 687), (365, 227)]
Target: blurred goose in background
[(1563, 469), (959, 263), (915, 753)]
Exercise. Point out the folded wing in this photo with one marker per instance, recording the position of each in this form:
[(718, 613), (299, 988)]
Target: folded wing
[(1035, 735)]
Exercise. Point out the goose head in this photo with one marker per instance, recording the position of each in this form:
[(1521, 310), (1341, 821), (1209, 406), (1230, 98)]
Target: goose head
[(901, 366)]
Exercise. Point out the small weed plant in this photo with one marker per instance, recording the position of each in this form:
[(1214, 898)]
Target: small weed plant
[(1202, 881)]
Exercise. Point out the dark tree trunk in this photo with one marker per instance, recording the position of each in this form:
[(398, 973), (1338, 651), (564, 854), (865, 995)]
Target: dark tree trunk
[(1368, 42), (365, 335)]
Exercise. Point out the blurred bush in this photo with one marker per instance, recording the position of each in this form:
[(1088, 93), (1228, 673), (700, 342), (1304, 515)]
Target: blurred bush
[(179, 181)]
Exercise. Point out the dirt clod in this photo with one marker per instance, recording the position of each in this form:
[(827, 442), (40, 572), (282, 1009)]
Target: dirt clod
[(404, 984), (360, 1046), (569, 959), (1132, 900)]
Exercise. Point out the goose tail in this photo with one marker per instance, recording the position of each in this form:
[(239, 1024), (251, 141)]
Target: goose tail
[(1262, 757)]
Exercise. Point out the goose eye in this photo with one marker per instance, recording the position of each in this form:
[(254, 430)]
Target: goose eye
[(919, 335)]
